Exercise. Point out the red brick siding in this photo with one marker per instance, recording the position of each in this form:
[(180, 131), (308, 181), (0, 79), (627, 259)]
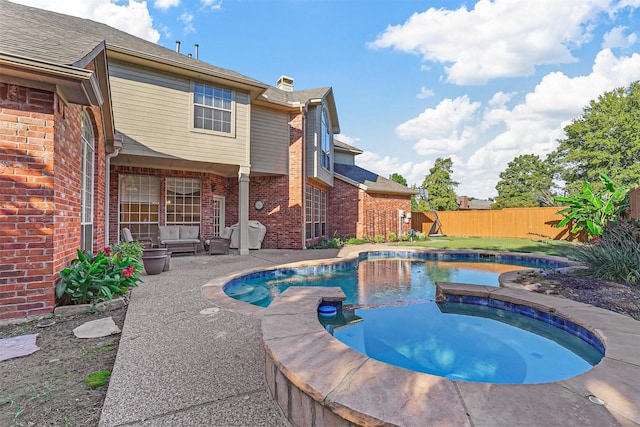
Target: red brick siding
[(343, 210), (379, 216), (40, 155)]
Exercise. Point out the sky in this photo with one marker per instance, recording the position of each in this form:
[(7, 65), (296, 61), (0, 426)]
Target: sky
[(481, 82)]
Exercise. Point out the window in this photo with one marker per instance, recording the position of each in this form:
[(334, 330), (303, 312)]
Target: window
[(315, 213), (183, 201), (88, 152), (308, 211), (212, 108), (325, 136), (140, 205)]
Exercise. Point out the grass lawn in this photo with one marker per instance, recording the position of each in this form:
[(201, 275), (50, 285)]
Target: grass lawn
[(547, 247)]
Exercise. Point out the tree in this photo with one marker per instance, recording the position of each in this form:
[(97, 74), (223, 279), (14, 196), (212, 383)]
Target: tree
[(398, 178), (440, 186), (525, 178), (605, 139)]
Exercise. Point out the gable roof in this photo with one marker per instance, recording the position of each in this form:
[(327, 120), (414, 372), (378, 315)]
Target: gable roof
[(346, 148), (369, 181), (55, 38)]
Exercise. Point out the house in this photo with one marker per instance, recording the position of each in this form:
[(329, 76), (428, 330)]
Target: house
[(101, 130), (464, 203), (364, 203)]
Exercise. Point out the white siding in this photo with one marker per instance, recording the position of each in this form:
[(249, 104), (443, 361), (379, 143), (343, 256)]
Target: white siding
[(343, 158), (155, 111), (269, 141)]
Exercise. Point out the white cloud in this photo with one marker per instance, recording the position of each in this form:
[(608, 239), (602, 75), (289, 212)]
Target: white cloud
[(346, 139), (385, 166), (165, 4), (425, 93), (187, 19), (441, 129), (211, 4), (500, 38), (616, 38), (133, 17), (535, 125)]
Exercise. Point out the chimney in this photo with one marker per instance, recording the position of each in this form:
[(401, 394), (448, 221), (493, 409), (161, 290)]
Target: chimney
[(197, 46), (285, 83), (178, 46)]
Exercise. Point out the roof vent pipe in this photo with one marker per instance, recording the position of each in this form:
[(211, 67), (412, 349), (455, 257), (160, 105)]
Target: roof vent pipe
[(197, 46), (178, 46)]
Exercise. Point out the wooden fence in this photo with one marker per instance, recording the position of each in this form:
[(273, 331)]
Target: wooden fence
[(513, 222), (634, 203)]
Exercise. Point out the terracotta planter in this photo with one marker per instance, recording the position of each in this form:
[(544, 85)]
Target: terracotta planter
[(147, 252), (154, 264)]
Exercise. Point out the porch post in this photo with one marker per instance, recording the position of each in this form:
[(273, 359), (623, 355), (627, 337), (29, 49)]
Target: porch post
[(243, 211)]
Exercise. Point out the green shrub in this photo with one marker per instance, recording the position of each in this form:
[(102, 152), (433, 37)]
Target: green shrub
[(614, 255), (392, 237), (420, 236), (90, 279), (129, 249), (590, 211), (378, 238), (335, 243)]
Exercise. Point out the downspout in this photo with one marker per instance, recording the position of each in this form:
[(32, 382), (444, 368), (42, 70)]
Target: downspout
[(117, 146), (304, 110)]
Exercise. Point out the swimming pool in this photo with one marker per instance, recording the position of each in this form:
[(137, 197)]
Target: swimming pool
[(385, 278), (467, 342)]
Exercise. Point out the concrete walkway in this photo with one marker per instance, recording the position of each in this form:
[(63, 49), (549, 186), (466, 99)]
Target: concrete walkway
[(178, 367)]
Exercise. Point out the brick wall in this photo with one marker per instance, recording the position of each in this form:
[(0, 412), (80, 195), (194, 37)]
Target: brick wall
[(380, 215), (343, 209), (26, 201), (40, 173)]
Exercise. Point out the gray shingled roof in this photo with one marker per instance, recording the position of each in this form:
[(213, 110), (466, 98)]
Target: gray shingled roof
[(374, 182), (65, 40), (343, 146), (274, 94)]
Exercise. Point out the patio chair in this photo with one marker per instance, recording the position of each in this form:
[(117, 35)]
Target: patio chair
[(127, 237)]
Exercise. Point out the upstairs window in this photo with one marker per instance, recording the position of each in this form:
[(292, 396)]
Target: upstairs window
[(325, 137), (212, 108)]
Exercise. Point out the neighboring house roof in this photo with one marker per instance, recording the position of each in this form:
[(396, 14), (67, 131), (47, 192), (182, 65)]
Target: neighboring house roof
[(344, 147), (369, 181), (67, 40)]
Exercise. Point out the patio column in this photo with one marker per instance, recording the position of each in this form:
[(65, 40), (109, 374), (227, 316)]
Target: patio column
[(243, 211)]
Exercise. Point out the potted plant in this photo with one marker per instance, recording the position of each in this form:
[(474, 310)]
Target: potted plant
[(154, 260)]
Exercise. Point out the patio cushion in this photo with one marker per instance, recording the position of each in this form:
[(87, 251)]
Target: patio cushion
[(189, 232), (168, 232)]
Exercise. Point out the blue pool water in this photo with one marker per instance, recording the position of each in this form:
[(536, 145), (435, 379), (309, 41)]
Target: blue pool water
[(465, 342), (382, 278)]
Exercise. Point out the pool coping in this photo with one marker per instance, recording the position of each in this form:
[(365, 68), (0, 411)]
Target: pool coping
[(317, 380)]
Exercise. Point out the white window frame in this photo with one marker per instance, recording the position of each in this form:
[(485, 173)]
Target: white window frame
[(183, 187), (218, 215), (223, 103), (87, 192), (325, 140), (143, 222)]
